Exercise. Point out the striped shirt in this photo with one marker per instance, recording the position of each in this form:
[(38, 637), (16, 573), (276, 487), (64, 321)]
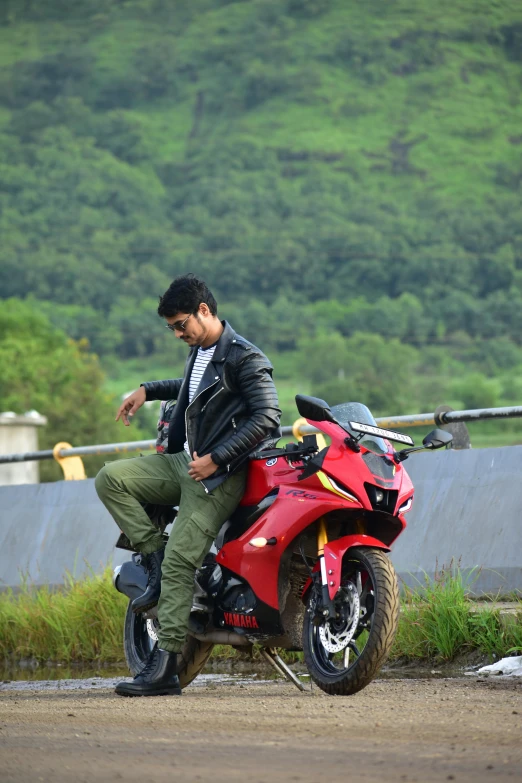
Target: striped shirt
[(203, 357)]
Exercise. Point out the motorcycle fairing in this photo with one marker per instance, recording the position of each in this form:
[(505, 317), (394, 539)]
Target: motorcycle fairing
[(237, 608), (376, 469), (300, 503), (293, 511), (243, 518)]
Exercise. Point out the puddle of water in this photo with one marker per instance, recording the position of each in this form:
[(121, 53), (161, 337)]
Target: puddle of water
[(83, 681), (34, 673), (30, 677), (420, 673), (103, 683)]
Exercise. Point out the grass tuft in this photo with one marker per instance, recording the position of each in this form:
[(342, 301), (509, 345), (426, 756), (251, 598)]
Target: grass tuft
[(83, 622), (439, 621)]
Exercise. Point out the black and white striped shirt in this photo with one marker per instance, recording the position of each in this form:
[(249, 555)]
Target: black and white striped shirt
[(203, 357)]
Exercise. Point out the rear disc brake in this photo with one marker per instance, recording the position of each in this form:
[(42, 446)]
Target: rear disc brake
[(152, 630)]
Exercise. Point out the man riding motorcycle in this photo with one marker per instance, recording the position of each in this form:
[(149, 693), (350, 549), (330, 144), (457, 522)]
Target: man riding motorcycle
[(226, 408)]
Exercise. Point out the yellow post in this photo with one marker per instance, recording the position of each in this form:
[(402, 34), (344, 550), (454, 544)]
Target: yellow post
[(72, 467), (296, 432), (322, 536)]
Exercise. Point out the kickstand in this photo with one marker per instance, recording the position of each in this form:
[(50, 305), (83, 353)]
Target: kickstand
[(270, 655)]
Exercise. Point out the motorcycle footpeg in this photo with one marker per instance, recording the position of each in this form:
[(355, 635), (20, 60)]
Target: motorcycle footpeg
[(145, 610)]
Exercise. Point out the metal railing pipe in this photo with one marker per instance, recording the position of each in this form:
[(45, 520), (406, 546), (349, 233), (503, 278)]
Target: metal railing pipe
[(109, 448), (80, 451), (399, 422), (415, 420), (449, 417), (28, 456), (479, 414)]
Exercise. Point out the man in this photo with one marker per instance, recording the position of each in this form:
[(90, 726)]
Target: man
[(226, 408)]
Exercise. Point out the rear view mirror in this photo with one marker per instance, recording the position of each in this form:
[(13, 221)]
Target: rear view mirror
[(436, 439), (313, 408)]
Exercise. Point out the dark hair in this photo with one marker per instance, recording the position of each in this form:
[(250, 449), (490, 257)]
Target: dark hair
[(184, 295)]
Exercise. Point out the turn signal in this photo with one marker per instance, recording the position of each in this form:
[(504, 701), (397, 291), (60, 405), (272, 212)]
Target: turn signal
[(260, 542)]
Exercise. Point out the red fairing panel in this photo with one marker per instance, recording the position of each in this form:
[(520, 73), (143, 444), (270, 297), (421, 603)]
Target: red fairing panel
[(347, 467), (284, 520)]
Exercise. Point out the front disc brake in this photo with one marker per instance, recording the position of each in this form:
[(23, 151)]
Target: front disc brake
[(336, 639)]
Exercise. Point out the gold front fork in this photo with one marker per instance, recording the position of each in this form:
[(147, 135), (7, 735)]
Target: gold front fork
[(322, 540), (322, 536)]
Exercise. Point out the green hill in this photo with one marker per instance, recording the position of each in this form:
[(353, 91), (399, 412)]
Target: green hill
[(329, 166)]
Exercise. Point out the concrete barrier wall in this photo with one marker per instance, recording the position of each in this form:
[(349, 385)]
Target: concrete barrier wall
[(467, 508), (48, 529)]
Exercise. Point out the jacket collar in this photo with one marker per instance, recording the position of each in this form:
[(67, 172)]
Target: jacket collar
[(228, 337)]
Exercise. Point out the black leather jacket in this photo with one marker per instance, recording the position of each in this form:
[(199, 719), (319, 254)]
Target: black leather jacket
[(235, 410)]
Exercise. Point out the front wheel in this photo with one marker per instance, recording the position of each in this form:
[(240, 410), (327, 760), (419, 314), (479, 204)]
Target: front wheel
[(344, 653), (140, 636)]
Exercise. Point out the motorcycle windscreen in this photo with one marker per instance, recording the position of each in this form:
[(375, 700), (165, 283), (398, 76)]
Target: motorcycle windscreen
[(347, 412)]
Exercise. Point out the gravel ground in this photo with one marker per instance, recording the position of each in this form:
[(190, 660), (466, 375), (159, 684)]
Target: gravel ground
[(398, 730)]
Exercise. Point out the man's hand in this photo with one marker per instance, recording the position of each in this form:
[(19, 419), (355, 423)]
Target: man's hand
[(132, 403), (201, 467)]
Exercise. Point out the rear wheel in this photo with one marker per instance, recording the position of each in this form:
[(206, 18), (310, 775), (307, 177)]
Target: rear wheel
[(344, 654), (139, 638)]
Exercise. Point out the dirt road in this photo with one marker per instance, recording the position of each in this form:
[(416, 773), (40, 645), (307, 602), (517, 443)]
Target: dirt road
[(405, 730)]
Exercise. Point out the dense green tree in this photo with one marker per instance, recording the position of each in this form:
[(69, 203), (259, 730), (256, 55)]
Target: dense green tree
[(364, 368), (42, 369), (475, 391)]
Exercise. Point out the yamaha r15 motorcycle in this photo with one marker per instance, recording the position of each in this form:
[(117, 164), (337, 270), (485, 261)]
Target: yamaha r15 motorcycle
[(302, 563)]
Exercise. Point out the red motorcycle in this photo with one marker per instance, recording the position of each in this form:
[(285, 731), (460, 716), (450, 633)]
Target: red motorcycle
[(302, 563)]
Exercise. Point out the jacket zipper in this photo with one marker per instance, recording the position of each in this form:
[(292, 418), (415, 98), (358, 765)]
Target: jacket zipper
[(214, 395), (186, 423), (234, 426)]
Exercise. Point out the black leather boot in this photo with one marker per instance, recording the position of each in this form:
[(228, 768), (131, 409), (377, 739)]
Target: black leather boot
[(157, 678), (151, 595)]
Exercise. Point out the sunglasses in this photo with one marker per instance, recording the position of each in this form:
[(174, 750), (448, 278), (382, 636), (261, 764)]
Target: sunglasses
[(178, 327)]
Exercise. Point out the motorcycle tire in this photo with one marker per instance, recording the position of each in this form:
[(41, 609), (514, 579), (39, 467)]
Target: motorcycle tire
[(139, 639), (382, 598)]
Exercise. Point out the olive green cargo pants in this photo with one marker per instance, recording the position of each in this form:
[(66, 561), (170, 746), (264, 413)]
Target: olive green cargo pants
[(164, 479)]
